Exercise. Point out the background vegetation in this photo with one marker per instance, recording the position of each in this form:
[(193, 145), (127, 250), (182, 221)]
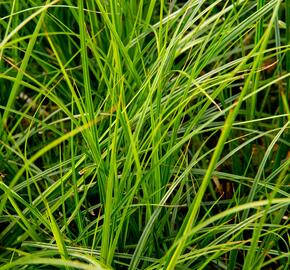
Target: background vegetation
[(144, 134)]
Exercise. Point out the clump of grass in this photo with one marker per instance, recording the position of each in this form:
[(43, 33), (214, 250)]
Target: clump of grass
[(144, 134)]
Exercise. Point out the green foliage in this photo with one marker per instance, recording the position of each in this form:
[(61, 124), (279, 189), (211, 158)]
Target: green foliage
[(144, 134)]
